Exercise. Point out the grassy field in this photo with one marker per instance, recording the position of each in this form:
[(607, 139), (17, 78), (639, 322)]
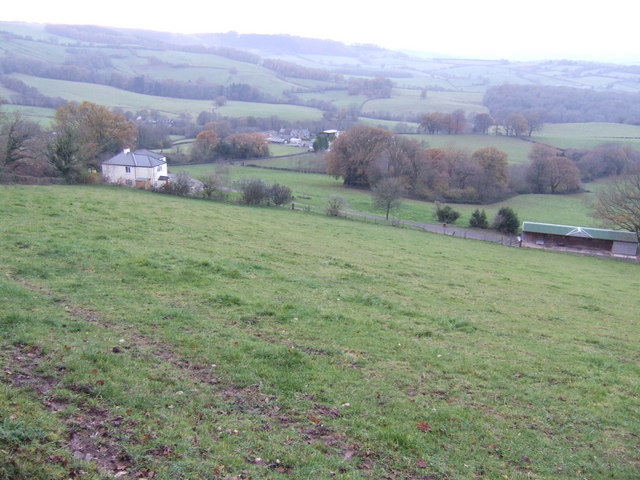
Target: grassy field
[(588, 135), (113, 97), (43, 116), (516, 149), (314, 190), (205, 340), (409, 102)]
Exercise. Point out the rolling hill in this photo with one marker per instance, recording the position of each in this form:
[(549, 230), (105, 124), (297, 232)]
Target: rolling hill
[(151, 336), (146, 67)]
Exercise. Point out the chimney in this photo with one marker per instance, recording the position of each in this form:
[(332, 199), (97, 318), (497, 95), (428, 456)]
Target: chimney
[(126, 151)]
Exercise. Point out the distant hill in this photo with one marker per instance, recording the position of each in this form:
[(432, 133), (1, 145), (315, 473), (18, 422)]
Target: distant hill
[(325, 75)]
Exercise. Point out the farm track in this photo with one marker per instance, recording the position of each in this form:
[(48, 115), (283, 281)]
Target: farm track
[(444, 229)]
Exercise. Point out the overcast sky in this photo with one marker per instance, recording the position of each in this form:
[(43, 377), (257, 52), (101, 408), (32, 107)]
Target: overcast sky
[(514, 30)]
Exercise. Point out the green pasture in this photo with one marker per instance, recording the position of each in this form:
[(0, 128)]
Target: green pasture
[(481, 75), (206, 340), (298, 161), (517, 149), (42, 51), (410, 103), (588, 135), (314, 190), (113, 97), (221, 71), (427, 81), (339, 97), (35, 31), (43, 116), (279, 150)]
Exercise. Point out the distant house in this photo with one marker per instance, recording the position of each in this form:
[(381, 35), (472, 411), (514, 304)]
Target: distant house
[(592, 241), (141, 169)]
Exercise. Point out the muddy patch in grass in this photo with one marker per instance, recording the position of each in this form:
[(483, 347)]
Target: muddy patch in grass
[(90, 430)]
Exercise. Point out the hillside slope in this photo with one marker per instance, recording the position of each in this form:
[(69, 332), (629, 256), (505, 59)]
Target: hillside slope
[(160, 337)]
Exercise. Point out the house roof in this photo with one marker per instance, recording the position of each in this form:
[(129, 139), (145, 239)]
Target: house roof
[(139, 158), (584, 232)]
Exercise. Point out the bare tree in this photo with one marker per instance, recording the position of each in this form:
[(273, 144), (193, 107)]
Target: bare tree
[(387, 194), (213, 185), (619, 204)]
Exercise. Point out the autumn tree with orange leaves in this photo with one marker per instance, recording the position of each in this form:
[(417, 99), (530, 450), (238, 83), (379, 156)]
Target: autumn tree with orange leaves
[(97, 131)]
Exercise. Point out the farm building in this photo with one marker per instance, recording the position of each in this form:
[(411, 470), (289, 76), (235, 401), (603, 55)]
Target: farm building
[(592, 241), (141, 169)]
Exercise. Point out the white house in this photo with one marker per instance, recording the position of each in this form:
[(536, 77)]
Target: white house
[(142, 169)]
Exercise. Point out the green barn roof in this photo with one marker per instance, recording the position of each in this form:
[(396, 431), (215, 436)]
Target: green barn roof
[(584, 232)]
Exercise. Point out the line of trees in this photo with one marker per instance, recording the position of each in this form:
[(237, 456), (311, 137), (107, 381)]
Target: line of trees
[(293, 70), (81, 137), (212, 145), (363, 156), (379, 87), (563, 104), (516, 124)]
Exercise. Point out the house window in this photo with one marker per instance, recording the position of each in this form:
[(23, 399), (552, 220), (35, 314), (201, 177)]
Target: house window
[(159, 169), (127, 169)]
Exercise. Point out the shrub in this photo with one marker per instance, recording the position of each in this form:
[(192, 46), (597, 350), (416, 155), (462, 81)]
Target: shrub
[(479, 219), (335, 205), (279, 194), (446, 214), (213, 186), (506, 221), (254, 192), (180, 186)]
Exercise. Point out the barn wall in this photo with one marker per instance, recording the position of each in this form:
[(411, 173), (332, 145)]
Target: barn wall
[(560, 241)]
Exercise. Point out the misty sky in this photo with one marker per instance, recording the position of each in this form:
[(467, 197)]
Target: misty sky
[(545, 29)]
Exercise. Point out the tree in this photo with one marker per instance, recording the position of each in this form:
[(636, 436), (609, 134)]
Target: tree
[(354, 152), (63, 152), (564, 176), (399, 158), (387, 194), (446, 214), (16, 139), (537, 171), (516, 125), (494, 164), (458, 121), (436, 122), (606, 160), (494, 177), (549, 172), (506, 221), (204, 147), (97, 131), (619, 204), (246, 145), (479, 219), (321, 142), (482, 122), (535, 120)]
